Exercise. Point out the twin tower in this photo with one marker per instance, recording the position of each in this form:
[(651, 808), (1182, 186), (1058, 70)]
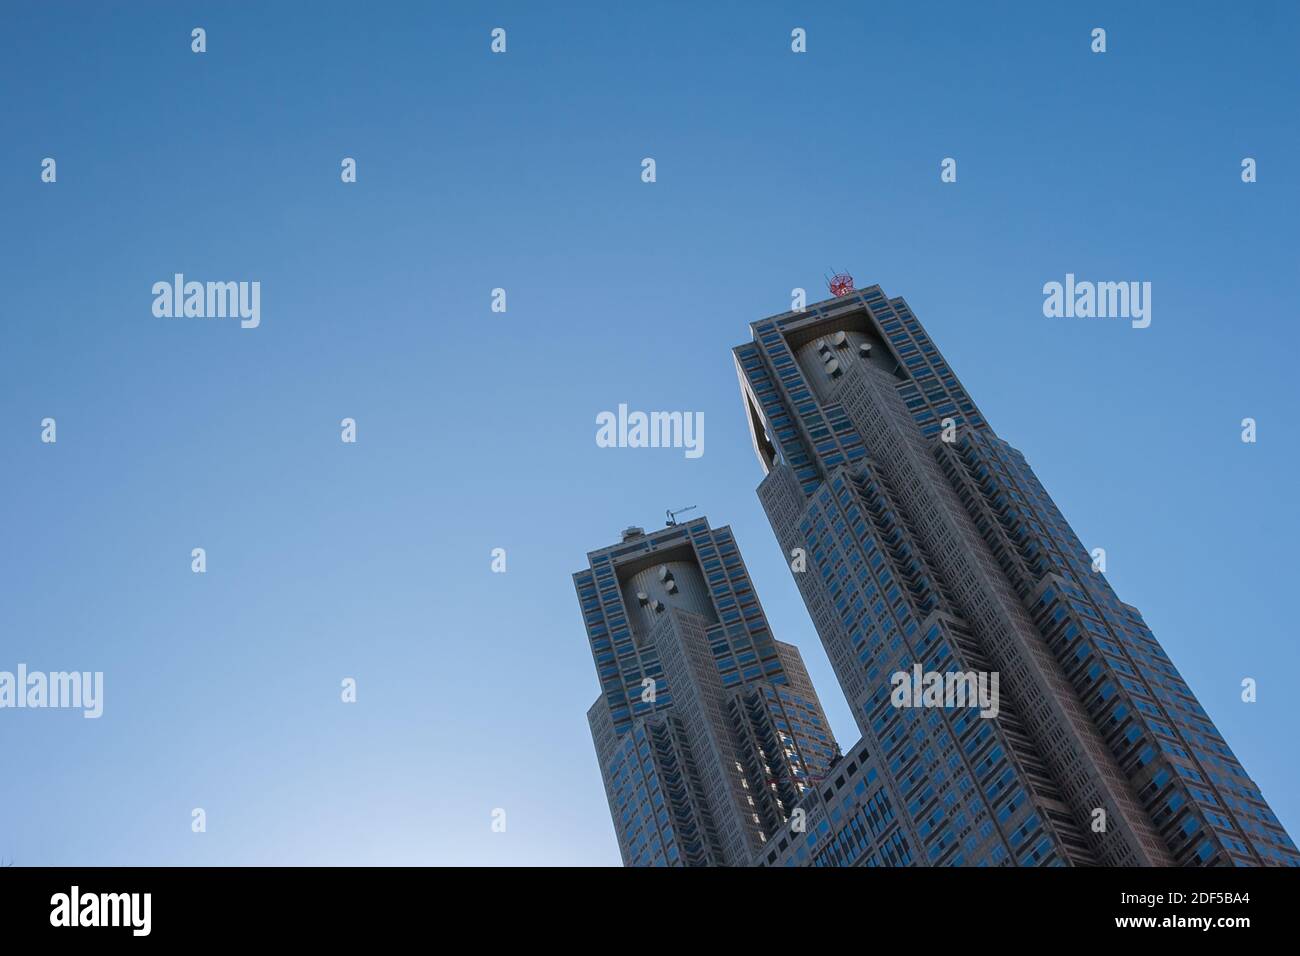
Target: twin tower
[(923, 544)]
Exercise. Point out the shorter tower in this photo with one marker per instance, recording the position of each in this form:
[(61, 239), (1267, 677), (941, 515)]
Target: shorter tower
[(707, 730)]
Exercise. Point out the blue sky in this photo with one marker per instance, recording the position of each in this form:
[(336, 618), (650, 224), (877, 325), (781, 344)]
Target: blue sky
[(476, 430)]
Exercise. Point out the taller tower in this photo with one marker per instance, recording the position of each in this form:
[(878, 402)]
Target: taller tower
[(929, 541), (707, 729)]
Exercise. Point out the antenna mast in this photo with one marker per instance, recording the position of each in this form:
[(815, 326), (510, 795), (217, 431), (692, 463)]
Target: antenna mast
[(672, 515)]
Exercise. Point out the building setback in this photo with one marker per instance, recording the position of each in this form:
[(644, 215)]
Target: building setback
[(707, 730), (918, 536)]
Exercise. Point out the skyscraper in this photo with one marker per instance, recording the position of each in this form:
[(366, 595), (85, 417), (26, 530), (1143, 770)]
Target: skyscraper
[(707, 730), (919, 537)]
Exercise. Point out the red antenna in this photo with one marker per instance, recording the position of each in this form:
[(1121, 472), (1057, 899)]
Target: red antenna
[(841, 284)]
